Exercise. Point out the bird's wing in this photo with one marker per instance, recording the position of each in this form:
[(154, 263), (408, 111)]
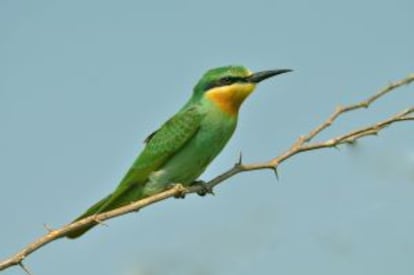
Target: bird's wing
[(163, 144), (167, 140)]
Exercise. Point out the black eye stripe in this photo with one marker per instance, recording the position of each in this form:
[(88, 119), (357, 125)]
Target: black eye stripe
[(224, 81)]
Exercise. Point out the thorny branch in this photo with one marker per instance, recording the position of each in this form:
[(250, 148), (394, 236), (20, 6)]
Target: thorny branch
[(302, 144)]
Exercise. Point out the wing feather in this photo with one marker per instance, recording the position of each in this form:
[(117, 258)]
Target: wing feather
[(163, 144)]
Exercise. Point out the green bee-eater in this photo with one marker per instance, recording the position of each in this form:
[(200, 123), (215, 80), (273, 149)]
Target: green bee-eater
[(181, 149)]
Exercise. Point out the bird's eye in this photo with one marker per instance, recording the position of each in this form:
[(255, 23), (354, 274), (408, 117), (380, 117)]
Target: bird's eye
[(226, 80)]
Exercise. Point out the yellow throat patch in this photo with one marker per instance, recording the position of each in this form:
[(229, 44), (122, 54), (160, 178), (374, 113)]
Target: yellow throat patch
[(229, 98)]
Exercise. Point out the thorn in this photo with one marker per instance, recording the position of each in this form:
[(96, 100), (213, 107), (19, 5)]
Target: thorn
[(98, 221), (25, 268), (240, 161), (351, 142), (336, 146), (274, 168), (48, 228)]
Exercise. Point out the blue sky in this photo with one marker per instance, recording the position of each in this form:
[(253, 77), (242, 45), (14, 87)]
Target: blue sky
[(84, 82)]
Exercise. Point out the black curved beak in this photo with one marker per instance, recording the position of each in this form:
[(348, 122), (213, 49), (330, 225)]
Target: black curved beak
[(259, 76)]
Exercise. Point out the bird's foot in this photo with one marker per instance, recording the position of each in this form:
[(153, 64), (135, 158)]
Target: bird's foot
[(205, 189), (181, 190)]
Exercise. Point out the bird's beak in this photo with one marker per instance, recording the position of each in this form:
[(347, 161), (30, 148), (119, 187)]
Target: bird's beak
[(259, 76)]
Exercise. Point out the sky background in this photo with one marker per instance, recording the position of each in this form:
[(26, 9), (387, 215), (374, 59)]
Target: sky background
[(82, 83)]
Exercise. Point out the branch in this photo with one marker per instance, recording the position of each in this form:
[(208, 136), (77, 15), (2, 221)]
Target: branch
[(302, 144)]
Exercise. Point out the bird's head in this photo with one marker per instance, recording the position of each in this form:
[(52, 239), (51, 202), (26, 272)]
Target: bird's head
[(227, 87)]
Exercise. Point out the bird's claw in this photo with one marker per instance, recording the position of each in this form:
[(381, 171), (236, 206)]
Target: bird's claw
[(47, 228), (181, 194), (205, 189)]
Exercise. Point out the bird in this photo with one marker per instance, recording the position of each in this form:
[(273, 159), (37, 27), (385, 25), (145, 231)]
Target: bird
[(182, 148)]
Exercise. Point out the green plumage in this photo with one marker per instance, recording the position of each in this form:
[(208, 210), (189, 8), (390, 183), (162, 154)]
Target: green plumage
[(180, 150)]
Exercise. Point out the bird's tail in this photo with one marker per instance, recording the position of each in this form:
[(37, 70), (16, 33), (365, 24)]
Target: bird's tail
[(93, 210), (123, 195)]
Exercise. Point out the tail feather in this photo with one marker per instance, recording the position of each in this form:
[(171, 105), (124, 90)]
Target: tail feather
[(121, 196), (93, 210)]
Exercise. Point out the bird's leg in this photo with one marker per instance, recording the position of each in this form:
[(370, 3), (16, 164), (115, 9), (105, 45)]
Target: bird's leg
[(204, 188)]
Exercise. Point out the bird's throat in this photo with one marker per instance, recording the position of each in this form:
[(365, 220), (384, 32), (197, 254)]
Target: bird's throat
[(229, 98)]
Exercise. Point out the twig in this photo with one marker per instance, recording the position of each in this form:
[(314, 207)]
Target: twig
[(61, 232), (302, 144), (363, 104)]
